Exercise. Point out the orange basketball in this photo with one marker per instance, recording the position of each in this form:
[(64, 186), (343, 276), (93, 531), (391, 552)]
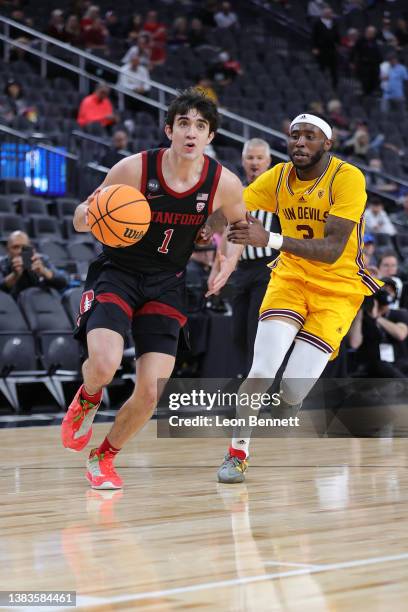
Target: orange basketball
[(119, 216)]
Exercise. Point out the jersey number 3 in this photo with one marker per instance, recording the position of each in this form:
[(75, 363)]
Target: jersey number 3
[(307, 229), (164, 248)]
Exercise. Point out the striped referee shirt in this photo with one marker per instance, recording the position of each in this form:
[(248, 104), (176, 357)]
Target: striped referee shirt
[(271, 224)]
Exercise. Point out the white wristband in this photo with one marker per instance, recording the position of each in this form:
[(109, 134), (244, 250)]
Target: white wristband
[(275, 241)]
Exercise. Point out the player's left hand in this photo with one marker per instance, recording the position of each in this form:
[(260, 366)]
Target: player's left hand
[(225, 268), (251, 232), (204, 236)]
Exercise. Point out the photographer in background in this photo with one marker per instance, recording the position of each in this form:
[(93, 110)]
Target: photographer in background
[(23, 267), (379, 334)]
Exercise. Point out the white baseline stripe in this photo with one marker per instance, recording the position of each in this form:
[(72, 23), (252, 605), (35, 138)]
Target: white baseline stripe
[(85, 601)]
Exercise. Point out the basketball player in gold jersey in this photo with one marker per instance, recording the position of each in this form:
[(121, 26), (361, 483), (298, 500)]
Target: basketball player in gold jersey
[(318, 281)]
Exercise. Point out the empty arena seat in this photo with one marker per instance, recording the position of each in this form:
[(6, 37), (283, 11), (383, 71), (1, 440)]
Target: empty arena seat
[(30, 206), (13, 185), (10, 223), (17, 348), (80, 250), (64, 207), (56, 251), (70, 300), (42, 226), (6, 204), (52, 327)]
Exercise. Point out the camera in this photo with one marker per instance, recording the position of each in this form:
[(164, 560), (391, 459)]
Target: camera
[(382, 297), (26, 254)]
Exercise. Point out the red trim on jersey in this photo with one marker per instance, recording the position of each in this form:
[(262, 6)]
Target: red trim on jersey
[(169, 190), (112, 298), (214, 188), (157, 308), (143, 179)]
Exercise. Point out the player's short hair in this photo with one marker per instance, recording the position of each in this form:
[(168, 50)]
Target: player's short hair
[(192, 98), (256, 142)]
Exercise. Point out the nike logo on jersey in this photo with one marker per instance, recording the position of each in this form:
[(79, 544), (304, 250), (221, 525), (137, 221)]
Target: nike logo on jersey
[(151, 197)]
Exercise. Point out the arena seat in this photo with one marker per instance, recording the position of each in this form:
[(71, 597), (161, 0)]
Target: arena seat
[(7, 204), (52, 328), (42, 226), (29, 206), (19, 362), (70, 300), (11, 223), (13, 185)]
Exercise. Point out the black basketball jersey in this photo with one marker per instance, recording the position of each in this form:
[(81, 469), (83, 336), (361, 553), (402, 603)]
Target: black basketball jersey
[(176, 218)]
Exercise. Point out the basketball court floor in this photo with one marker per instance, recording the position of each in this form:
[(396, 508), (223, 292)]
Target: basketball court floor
[(320, 525)]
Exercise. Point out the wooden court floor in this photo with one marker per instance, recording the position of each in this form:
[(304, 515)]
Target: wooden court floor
[(320, 525)]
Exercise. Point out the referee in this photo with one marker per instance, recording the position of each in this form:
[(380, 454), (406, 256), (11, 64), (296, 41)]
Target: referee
[(252, 275)]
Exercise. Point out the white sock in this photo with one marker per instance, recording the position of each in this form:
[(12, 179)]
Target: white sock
[(241, 444)]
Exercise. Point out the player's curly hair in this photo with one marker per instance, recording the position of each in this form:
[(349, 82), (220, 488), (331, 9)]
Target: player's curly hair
[(193, 98)]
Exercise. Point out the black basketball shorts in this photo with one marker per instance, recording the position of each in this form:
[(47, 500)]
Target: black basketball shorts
[(150, 306)]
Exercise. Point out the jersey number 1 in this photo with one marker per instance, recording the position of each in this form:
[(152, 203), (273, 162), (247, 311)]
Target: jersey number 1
[(164, 248)]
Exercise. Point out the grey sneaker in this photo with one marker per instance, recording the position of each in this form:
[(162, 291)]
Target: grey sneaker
[(232, 470)]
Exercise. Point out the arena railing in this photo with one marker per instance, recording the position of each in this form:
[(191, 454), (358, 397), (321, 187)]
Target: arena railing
[(40, 48), (246, 128)]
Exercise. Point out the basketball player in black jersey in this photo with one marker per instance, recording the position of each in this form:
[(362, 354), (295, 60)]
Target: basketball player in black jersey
[(141, 287)]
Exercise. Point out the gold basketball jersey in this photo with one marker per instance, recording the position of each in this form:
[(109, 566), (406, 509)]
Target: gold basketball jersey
[(303, 208)]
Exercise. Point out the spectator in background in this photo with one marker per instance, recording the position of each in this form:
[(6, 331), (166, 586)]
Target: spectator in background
[(225, 69), (136, 28), (93, 12), (199, 268), (206, 86), (374, 181), (386, 35), (56, 24), (379, 333), (134, 76), (142, 49), (24, 267), (158, 37), (348, 42), (361, 145), (73, 35), (366, 59), (337, 118), (95, 36), (16, 105), (401, 32), (369, 255), (325, 38), (207, 13), (97, 108), (113, 25), (315, 8), (388, 264), (197, 36), (358, 145), (226, 18), (120, 143), (376, 219), (400, 219), (178, 36), (393, 85)]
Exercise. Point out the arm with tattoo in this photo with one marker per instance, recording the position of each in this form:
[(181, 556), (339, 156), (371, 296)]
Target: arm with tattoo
[(327, 250)]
